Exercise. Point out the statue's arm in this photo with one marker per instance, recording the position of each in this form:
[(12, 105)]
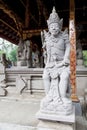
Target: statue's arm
[(67, 50)]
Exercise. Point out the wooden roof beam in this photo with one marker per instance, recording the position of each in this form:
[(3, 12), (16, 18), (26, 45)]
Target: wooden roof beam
[(42, 10), (32, 17), (8, 25), (11, 14), (27, 14)]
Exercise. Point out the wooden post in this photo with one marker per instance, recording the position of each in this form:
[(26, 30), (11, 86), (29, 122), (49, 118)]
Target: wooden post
[(27, 21), (27, 15), (72, 36)]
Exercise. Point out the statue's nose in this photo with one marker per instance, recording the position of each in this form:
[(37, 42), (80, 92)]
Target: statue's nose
[(53, 28)]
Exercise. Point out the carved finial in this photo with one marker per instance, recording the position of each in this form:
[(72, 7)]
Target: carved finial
[(54, 10)]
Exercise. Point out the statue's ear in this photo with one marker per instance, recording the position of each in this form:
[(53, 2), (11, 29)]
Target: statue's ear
[(61, 23)]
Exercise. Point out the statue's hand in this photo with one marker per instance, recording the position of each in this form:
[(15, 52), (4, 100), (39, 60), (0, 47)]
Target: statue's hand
[(49, 65), (59, 65), (63, 63), (66, 62)]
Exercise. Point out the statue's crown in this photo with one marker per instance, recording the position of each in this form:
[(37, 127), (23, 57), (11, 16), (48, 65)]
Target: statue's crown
[(54, 18)]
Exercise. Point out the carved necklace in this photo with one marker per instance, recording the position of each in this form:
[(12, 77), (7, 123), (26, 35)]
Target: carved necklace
[(55, 39)]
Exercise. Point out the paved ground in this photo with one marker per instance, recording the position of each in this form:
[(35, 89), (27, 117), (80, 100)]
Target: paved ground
[(18, 113), (19, 110)]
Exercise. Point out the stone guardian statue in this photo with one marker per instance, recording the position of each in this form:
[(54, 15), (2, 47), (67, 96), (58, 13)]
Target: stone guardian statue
[(56, 47)]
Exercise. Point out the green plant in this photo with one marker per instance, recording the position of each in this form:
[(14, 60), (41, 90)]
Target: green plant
[(85, 57)]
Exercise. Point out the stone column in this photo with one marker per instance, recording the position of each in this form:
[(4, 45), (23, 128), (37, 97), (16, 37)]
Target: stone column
[(72, 34)]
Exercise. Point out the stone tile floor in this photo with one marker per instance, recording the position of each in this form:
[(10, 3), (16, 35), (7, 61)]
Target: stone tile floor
[(18, 113)]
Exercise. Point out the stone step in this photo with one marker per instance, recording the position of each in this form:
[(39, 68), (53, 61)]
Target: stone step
[(14, 91)]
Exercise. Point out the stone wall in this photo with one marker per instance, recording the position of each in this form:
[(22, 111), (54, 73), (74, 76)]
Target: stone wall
[(32, 77), (34, 82)]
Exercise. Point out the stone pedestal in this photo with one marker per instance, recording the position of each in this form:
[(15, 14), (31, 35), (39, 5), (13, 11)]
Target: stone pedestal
[(48, 125), (56, 122)]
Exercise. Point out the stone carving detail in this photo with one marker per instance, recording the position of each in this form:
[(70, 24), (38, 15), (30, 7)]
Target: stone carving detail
[(56, 74), (21, 84), (28, 54), (35, 57), (24, 53), (6, 63), (21, 54), (2, 80)]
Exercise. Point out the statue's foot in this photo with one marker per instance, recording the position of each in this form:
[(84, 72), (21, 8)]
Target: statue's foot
[(66, 100), (59, 105), (57, 100)]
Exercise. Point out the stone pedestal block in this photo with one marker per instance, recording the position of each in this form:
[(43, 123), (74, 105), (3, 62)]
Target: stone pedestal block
[(48, 125), (56, 122), (56, 117)]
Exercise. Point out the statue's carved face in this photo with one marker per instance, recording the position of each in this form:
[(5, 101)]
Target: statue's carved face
[(54, 29)]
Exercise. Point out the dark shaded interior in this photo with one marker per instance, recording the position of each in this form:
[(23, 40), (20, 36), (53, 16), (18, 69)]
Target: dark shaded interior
[(13, 18)]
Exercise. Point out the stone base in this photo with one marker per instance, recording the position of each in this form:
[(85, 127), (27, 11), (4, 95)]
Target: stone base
[(55, 117), (2, 92), (49, 125)]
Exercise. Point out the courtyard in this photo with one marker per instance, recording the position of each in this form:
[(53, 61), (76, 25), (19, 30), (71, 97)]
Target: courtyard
[(18, 113)]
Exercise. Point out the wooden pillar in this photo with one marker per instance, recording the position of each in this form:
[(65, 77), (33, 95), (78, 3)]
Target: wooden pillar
[(27, 20), (27, 15), (72, 36), (40, 10)]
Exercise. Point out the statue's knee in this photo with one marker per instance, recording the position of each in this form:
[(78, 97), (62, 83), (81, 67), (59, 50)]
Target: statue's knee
[(65, 76)]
